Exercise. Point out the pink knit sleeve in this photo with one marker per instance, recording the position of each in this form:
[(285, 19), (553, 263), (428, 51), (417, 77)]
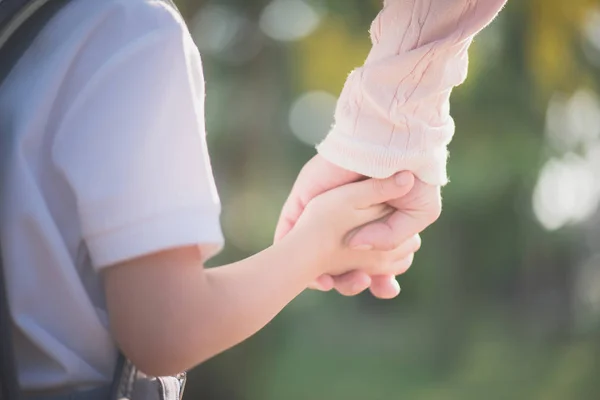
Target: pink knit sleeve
[(394, 111)]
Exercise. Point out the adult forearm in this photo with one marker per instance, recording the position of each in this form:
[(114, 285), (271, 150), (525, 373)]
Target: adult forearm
[(394, 113)]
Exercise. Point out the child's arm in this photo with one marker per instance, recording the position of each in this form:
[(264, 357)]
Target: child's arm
[(168, 313)]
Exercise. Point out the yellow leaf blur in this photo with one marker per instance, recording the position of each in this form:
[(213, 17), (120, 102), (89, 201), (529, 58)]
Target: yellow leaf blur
[(325, 58), (553, 34)]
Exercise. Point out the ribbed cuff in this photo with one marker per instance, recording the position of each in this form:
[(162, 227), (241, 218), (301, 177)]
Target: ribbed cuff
[(381, 162)]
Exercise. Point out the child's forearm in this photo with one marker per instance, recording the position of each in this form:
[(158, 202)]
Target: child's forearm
[(249, 294), (200, 313)]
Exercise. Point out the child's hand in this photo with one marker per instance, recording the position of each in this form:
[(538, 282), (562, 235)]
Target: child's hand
[(329, 219)]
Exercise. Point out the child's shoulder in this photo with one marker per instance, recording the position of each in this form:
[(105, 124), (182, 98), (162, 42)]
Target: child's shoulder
[(88, 35), (121, 17), (151, 14)]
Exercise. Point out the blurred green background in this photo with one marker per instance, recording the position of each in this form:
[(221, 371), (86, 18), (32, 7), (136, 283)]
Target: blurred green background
[(503, 300)]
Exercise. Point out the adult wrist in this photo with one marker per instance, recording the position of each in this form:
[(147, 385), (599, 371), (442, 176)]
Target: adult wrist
[(381, 162)]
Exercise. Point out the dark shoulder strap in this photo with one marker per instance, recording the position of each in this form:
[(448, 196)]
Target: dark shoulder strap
[(9, 383), (20, 22)]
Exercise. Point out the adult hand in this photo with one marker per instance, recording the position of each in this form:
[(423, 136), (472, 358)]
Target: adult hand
[(414, 212)]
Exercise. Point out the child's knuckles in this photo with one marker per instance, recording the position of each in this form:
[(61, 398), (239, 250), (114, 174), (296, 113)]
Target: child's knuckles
[(382, 262), (388, 259), (403, 265), (411, 245)]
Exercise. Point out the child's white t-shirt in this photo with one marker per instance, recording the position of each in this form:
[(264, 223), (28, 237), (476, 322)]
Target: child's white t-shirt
[(108, 162)]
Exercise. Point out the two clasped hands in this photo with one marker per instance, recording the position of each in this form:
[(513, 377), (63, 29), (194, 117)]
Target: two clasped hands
[(393, 115), (396, 233)]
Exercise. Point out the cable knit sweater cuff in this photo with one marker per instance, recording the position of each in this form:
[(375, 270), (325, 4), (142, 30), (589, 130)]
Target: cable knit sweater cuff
[(378, 161)]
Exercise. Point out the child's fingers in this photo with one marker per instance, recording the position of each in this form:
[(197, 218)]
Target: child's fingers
[(352, 283), (395, 262), (384, 287), (401, 266), (370, 192), (324, 283), (393, 268), (407, 248), (412, 245), (396, 266)]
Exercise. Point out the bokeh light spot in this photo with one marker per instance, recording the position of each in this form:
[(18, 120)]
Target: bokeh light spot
[(311, 116), (289, 20)]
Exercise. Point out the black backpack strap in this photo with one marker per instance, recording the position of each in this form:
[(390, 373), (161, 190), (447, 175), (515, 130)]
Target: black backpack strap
[(9, 382), (20, 23)]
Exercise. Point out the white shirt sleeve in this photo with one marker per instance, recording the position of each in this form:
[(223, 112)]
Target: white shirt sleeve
[(132, 142)]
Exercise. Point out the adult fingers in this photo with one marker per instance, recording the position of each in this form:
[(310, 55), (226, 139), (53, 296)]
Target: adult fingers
[(371, 192)]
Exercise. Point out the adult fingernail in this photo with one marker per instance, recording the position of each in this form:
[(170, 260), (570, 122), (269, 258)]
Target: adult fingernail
[(403, 178), (362, 247)]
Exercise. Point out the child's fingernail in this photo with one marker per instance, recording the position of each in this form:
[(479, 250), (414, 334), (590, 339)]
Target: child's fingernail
[(357, 287), (363, 247), (397, 286), (403, 178)]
